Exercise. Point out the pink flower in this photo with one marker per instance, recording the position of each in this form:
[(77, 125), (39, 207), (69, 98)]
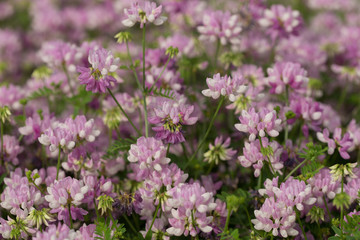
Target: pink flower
[(252, 156), (219, 151), (98, 77), (281, 21), (287, 74), (11, 149), (341, 143), (67, 191), (143, 12), (224, 86), (191, 208), (170, 117), (220, 25), (260, 123)]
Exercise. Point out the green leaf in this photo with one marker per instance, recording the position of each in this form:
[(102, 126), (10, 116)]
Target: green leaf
[(166, 93), (121, 145), (41, 92)]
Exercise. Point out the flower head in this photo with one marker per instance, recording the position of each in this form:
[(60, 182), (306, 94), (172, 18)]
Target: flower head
[(219, 151), (170, 117), (143, 12), (223, 86), (281, 21), (220, 25), (98, 77), (337, 142)]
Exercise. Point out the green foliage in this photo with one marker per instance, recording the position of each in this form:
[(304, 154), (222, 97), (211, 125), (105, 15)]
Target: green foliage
[(290, 115), (166, 93), (41, 92), (231, 58), (109, 231), (120, 145), (351, 229), (123, 37), (172, 52), (232, 234), (342, 200), (235, 200), (312, 152), (309, 170), (80, 101)]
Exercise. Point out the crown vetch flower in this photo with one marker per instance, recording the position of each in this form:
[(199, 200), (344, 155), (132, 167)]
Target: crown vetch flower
[(281, 21), (19, 196), (66, 134), (284, 74), (170, 117), (260, 123), (220, 25), (337, 142), (11, 149), (223, 86), (143, 12), (219, 151), (253, 156), (323, 184), (190, 213), (65, 192), (98, 77)]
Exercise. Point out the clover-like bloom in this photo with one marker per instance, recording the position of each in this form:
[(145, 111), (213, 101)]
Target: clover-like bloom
[(11, 149), (289, 74), (60, 232), (281, 21), (219, 151), (19, 196), (260, 123), (337, 142), (190, 213), (277, 214), (220, 25), (66, 134), (143, 12), (98, 77), (224, 86), (149, 154), (65, 192), (35, 126), (323, 184), (170, 117), (252, 156)]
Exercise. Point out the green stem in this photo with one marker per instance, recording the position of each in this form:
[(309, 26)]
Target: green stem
[(216, 53), (294, 170), (123, 111), (342, 208), (71, 220), (96, 210), (300, 223), (268, 160), (184, 151), (259, 181), (132, 67), (249, 219), (168, 149), (207, 131), (152, 223), (144, 92), (227, 221), (287, 104), (2, 142), (210, 167), (130, 224), (68, 78), (58, 164), (327, 208), (158, 78)]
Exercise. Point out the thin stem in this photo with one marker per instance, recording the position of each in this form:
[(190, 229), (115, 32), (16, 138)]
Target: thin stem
[(71, 220), (227, 220), (158, 78), (287, 104), (144, 92), (96, 210), (216, 53), (123, 111), (210, 167), (300, 223), (184, 150), (130, 224), (152, 223), (259, 181), (68, 78), (2, 142), (249, 219), (58, 164), (294, 170), (327, 208), (268, 160), (168, 149), (207, 131), (342, 209), (132, 67)]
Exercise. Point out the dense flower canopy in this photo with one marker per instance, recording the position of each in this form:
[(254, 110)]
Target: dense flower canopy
[(168, 119)]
